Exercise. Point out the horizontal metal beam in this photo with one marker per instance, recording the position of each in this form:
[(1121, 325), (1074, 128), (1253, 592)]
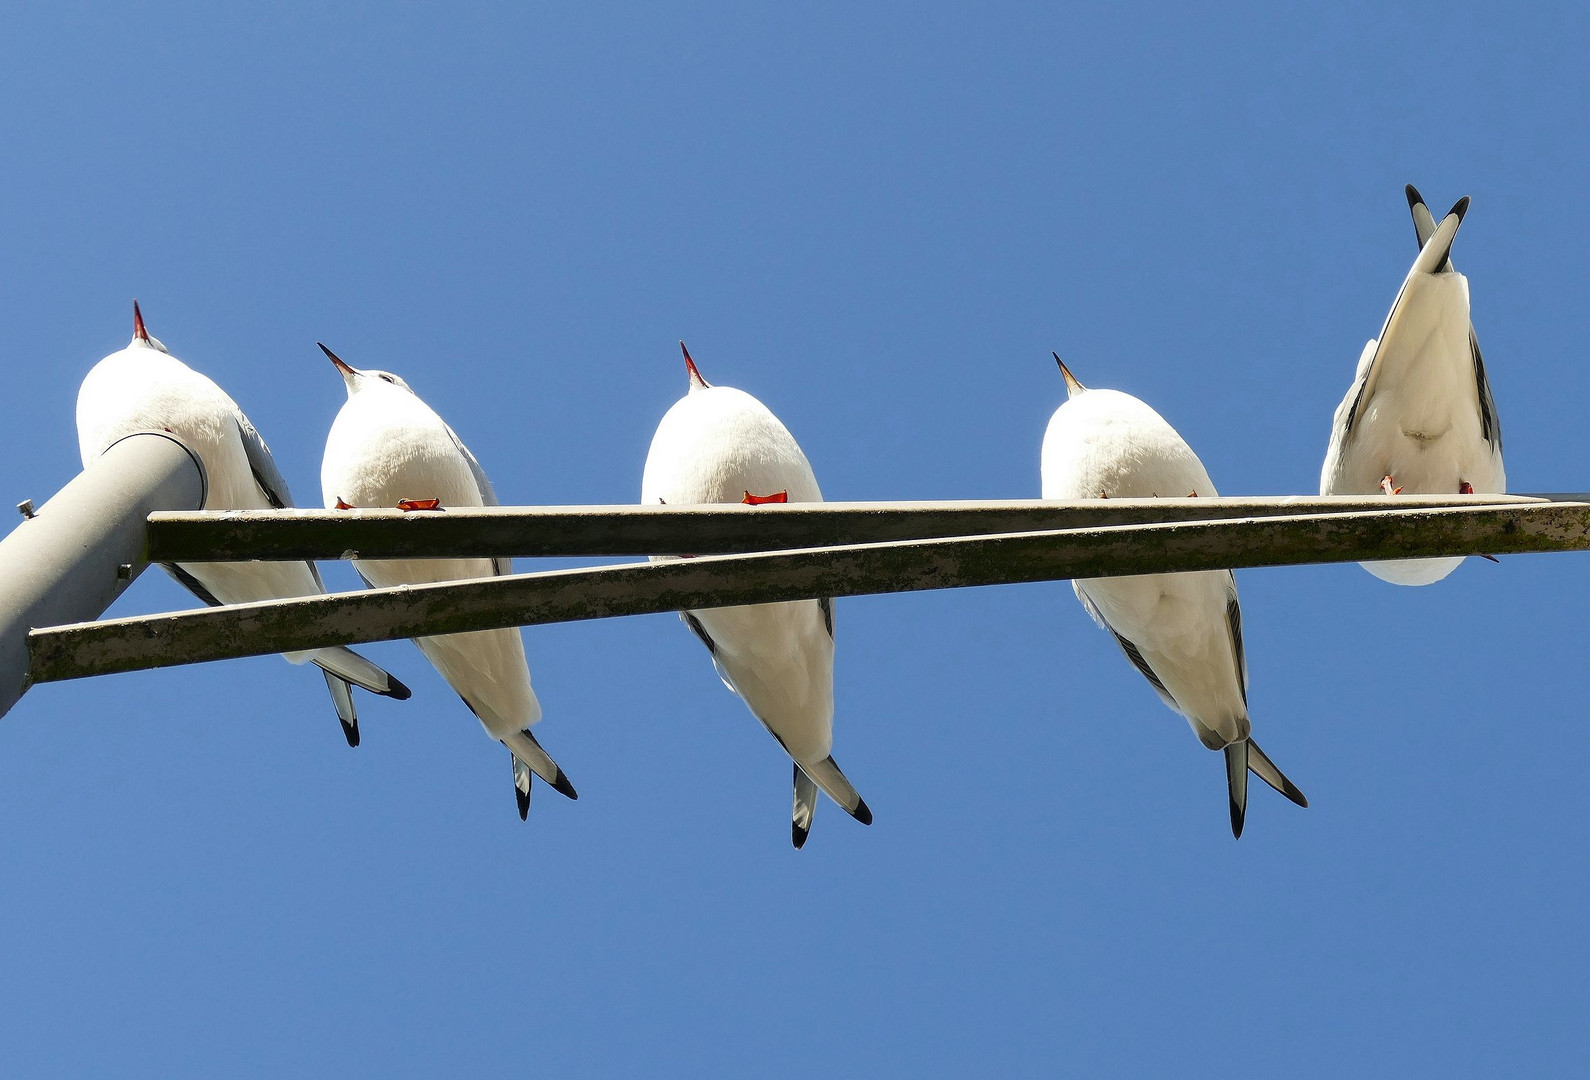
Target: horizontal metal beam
[(535, 531), (564, 595)]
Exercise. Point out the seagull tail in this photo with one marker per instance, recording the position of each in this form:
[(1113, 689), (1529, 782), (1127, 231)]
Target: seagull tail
[(1245, 757), (351, 667), (342, 698), (805, 807), (1437, 251), (521, 786), (826, 775), (1237, 783), (1262, 767), (527, 750), (1423, 220)]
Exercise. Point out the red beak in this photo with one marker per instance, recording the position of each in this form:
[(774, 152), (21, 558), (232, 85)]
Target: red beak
[(138, 324), (695, 376), (337, 360)]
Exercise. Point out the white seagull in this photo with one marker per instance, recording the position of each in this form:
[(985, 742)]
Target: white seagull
[(1419, 417), (1182, 631), (389, 448), (143, 387), (721, 445)]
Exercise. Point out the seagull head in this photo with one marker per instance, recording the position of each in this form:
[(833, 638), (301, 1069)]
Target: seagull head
[(696, 381), (1073, 387), (142, 336), (358, 380)]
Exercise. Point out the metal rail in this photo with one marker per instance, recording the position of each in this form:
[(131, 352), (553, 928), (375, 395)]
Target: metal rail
[(537, 531), (1480, 525)]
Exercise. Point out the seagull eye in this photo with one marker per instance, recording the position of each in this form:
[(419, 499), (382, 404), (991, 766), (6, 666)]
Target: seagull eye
[(390, 379)]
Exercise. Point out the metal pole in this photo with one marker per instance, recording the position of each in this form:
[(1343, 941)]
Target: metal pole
[(539, 531), (69, 559), (146, 641)]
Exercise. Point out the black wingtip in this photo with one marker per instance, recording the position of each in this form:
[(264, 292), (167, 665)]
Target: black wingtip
[(350, 731), (798, 835), (1459, 208), (1237, 759), (862, 812), (562, 786), (396, 690), (523, 799), (1414, 198)]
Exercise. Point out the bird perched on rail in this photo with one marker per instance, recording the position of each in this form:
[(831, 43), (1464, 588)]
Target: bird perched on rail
[(142, 388), (1183, 631), (721, 445), (387, 448), (1419, 417)]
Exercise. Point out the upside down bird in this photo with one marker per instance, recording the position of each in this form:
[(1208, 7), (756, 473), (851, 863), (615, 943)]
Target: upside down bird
[(389, 448), (1183, 632), (1419, 417), (716, 445)]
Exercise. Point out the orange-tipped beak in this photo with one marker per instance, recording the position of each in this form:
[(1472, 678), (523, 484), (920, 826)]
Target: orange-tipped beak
[(1073, 387), (337, 360), (696, 381), (138, 325)]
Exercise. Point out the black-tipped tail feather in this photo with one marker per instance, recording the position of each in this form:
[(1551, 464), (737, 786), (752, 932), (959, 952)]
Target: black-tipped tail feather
[(521, 786), (351, 667), (1245, 757), (826, 775), (1262, 767), (342, 699), (1237, 783), (527, 749), (805, 809), (1423, 220)]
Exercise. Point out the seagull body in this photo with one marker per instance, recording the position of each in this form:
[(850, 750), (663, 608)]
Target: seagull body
[(1183, 632), (145, 388), (721, 445), (389, 448), (1419, 417)]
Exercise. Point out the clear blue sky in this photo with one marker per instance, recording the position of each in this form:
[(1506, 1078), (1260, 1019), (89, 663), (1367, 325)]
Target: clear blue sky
[(879, 221)]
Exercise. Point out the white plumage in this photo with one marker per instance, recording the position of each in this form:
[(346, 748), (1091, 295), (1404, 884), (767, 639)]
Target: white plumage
[(721, 445), (388, 448), (1183, 632), (1419, 417), (143, 388)]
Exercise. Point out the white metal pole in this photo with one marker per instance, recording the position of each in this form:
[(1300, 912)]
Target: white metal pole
[(70, 558)]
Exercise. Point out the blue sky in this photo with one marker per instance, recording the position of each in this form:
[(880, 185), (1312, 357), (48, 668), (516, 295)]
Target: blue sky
[(879, 221)]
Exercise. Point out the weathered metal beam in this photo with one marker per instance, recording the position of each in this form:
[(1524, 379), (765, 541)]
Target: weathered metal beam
[(72, 556), (534, 531), (380, 614)]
